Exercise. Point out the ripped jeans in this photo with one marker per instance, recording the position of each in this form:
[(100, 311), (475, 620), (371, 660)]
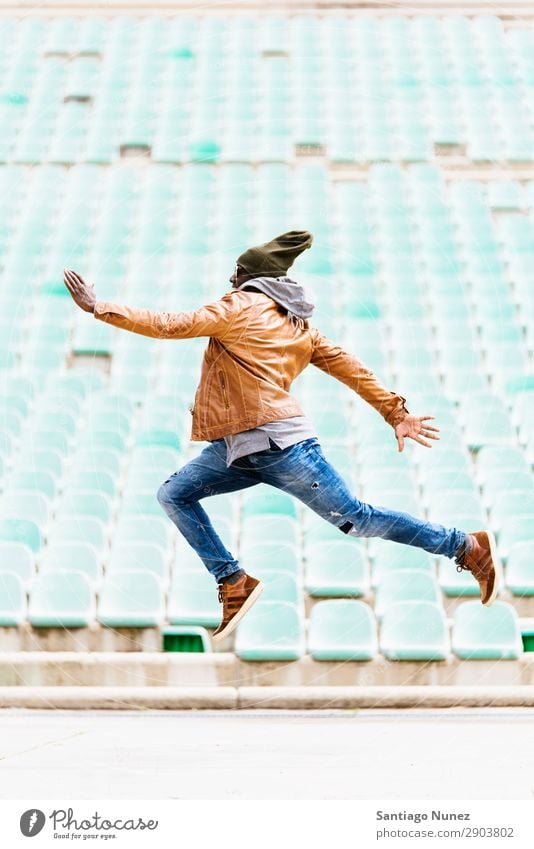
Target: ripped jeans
[(302, 471)]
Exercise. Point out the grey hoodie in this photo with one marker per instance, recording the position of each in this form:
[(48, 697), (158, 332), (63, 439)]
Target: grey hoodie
[(286, 292)]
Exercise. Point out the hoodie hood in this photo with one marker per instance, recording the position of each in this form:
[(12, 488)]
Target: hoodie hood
[(286, 292)]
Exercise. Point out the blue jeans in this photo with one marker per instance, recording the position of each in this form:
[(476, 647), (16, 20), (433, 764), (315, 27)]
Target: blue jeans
[(303, 472)]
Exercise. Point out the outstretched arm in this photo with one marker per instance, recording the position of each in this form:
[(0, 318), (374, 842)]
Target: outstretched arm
[(351, 371), (211, 320)]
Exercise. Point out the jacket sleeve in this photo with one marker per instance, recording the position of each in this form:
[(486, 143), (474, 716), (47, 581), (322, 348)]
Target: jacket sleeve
[(347, 368), (214, 319)]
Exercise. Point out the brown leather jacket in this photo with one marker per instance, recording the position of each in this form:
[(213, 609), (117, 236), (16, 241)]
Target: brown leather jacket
[(254, 354)]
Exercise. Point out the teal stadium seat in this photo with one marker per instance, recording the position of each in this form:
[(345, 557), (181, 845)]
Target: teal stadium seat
[(19, 558), (414, 630), (481, 633), (271, 631), (72, 556), (61, 600), (13, 604), (337, 569), (21, 530), (146, 557), (342, 630), (519, 572), (405, 585), (131, 599), (193, 598)]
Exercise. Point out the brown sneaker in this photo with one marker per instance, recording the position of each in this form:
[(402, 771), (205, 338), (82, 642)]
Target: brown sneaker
[(236, 599), (483, 561)]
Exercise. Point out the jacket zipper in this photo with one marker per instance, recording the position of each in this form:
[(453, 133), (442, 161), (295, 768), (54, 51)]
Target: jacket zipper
[(223, 387)]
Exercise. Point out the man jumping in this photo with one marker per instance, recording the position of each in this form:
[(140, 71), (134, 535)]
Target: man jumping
[(260, 340)]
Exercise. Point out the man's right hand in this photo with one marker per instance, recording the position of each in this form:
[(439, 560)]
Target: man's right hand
[(83, 294)]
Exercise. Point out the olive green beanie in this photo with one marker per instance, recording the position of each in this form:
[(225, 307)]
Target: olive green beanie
[(273, 258)]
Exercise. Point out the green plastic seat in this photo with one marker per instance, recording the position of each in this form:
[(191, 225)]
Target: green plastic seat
[(507, 505), (143, 556), (131, 599), (390, 557), (336, 569), (78, 528), (159, 437), (495, 458), (414, 630), (264, 528), (80, 502), (270, 503), (482, 633), (98, 480), (514, 529), (21, 530), (143, 529), (18, 558), (42, 459), (26, 504), (271, 631), (519, 573), (265, 557), (72, 556), (34, 480), (140, 502), (12, 599), (342, 630), (63, 599), (406, 585), (193, 598), (282, 586)]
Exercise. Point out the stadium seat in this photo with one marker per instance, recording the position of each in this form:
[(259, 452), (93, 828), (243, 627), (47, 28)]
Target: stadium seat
[(514, 529), (12, 599), (131, 599), (406, 585), (519, 572), (146, 557), (21, 530), (271, 631), (72, 556), (336, 569), (258, 503), (193, 598), (389, 557), (414, 630), (480, 633), (61, 600), (79, 502), (282, 586), (19, 558), (342, 630), (268, 557)]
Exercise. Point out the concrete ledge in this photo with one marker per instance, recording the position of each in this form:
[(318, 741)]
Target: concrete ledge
[(265, 698), (310, 698), (119, 698)]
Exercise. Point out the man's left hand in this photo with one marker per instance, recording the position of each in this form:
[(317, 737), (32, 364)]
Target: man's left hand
[(415, 428)]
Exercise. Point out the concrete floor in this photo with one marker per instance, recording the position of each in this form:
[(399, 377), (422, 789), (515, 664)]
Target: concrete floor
[(416, 754)]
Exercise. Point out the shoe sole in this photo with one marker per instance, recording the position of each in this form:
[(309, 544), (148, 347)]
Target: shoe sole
[(253, 597), (496, 565)]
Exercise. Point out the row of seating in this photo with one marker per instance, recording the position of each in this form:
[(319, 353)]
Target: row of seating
[(337, 630), (327, 569), (343, 630)]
